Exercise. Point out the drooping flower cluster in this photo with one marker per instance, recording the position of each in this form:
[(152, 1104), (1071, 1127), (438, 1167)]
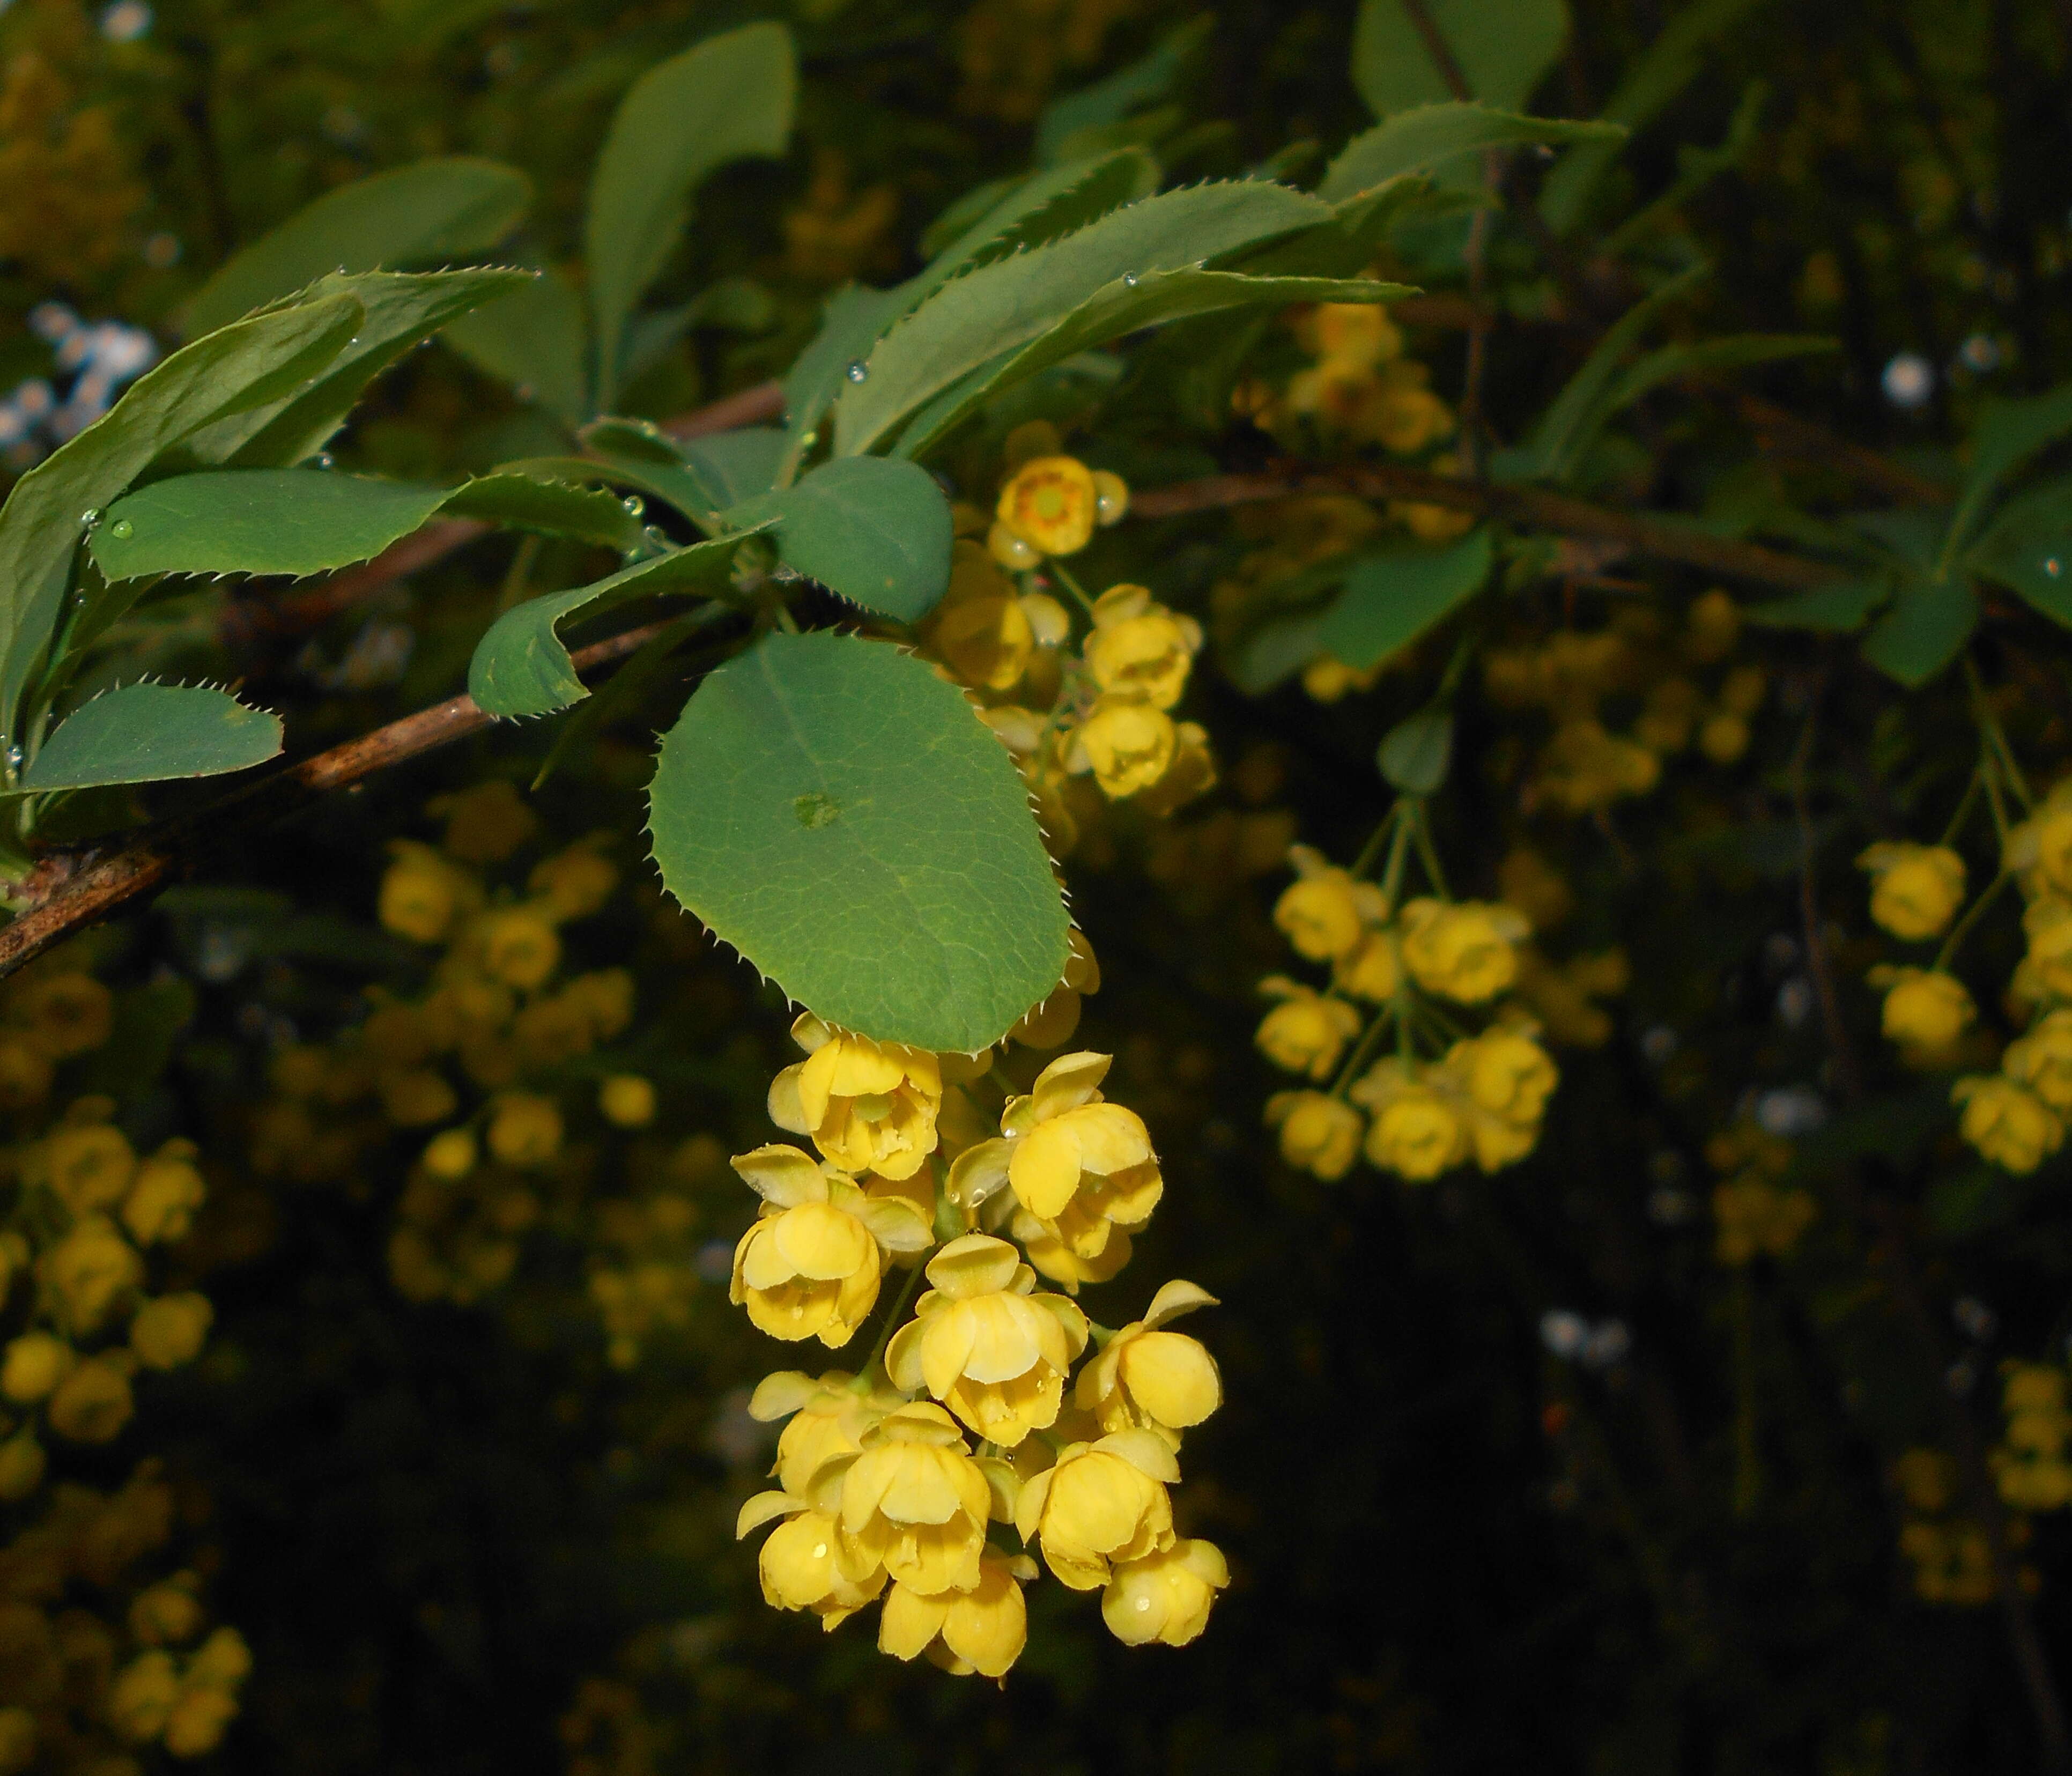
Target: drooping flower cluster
[(932, 1479), (1949, 1552), (1446, 1096), (2032, 1464)]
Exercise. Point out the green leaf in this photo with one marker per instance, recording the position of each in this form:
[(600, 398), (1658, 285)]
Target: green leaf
[(398, 310), (840, 815), (1392, 597), (1429, 135), (1839, 608), (244, 366), (520, 667), (728, 97), (1005, 306), (535, 340), (1153, 300), (876, 531), (2007, 434), (144, 734), (1274, 653), (732, 465), (1112, 100), (1924, 630), (1732, 352), (1416, 754), (1503, 48), (415, 216), (854, 319), (2029, 549), (1661, 72), (1046, 206), (296, 522)]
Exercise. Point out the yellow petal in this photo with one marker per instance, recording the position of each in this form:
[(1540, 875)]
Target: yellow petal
[(1045, 1169), (1172, 1378)]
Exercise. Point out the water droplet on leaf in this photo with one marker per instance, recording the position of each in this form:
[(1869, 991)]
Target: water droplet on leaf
[(635, 505), (122, 530), (2054, 567), (1131, 279), (858, 370), (89, 518)]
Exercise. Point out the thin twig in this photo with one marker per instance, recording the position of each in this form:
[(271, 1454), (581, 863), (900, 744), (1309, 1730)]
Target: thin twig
[(71, 889)]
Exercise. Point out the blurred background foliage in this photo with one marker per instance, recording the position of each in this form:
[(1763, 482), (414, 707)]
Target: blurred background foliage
[(463, 1472)]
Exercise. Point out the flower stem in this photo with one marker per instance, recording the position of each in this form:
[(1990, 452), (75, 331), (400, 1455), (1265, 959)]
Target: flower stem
[(1065, 579), (1428, 854), (1370, 1038), (1962, 929), (862, 1382)]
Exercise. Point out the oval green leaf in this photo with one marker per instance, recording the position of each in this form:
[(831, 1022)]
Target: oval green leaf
[(145, 733), (840, 815), (875, 531), (1392, 597)]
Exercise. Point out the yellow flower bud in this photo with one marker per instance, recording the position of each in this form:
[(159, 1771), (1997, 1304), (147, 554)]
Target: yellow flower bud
[(981, 628), (1321, 913), (486, 822), (519, 947), (1417, 1132), (1462, 949), (1711, 626), (2007, 1124), (984, 1343), (869, 1107), (1318, 1135), (198, 1720), (1505, 1073), (524, 1130), (1305, 1033), (451, 1154), (88, 1165), (1924, 1010), (221, 1662), (1104, 1502), (142, 1695), (1165, 1597), (626, 1100), (1139, 649), (914, 1503), (2042, 1060), (574, 883), (2041, 846), (411, 1097), (35, 1363), (26, 1073), (1372, 970), (422, 893), (168, 1614), (89, 1269), (1724, 737), (93, 1403), (1915, 889), (1011, 551), (1127, 745), (162, 1201), (171, 1331), (1051, 503), (1147, 1379)]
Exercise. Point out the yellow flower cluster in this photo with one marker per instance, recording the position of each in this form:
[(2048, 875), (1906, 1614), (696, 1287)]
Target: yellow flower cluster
[(1573, 677), (1479, 1098), (968, 1416), (2032, 1465), (1100, 712), (89, 1688), (1951, 1555), (1755, 1213)]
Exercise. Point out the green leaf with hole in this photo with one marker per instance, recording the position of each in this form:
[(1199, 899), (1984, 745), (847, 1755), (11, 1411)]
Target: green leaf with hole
[(727, 98), (1428, 136), (436, 210), (521, 668), (1007, 306), (875, 531), (145, 733), (840, 816), (1503, 49), (1393, 597)]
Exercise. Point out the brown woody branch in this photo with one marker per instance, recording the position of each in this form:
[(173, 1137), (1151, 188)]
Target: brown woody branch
[(70, 889)]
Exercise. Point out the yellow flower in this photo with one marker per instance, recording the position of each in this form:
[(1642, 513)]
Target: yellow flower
[(1324, 912), (88, 1165), (1359, 333), (34, 1364), (197, 1724), (484, 824), (524, 1129), (1192, 773), (2042, 1060), (1318, 1134), (1011, 551), (1505, 1074), (1584, 767), (93, 1403), (451, 1154), (809, 1265), (1104, 1501), (981, 628), (797, 1564), (1049, 1023), (1915, 889), (518, 946), (626, 1100), (1462, 949), (166, 1614), (1079, 1165), (422, 893), (1713, 625), (1306, 1032), (1127, 745), (1924, 1010), (915, 1503), (2046, 970), (1372, 970), (1051, 503), (1165, 1597), (1055, 1258), (984, 1343), (413, 1097), (981, 1630), (171, 1331), (1405, 419), (827, 1420), (1417, 1132), (869, 1107), (1147, 1379), (1138, 648), (66, 1013), (89, 1269), (2007, 1124), (142, 1695)]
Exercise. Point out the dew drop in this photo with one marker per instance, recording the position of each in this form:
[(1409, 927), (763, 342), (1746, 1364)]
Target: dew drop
[(325, 460), (635, 505), (2054, 567), (122, 530), (1144, 1603), (89, 518), (14, 756), (819, 1551), (858, 370), (1131, 279)]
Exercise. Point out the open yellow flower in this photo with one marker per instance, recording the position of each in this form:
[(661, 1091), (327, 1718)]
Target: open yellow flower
[(981, 1630), (1925, 1010), (1165, 1597), (810, 1265), (1320, 1135), (88, 1165), (1505, 1073), (1462, 949), (1372, 970), (1128, 745), (915, 1503), (2045, 972), (985, 1344), (1915, 889), (1324, 912), (1055, 1259), (2008, 1123), (869, 1107), (798, 1565), (1147, 1379), (2042, 1060), (1051, 503), (1138, 648), (1417, 1131), (827, 1420), (1104, 1502), (89, 1270), (1307, 1032), (981, 629)]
